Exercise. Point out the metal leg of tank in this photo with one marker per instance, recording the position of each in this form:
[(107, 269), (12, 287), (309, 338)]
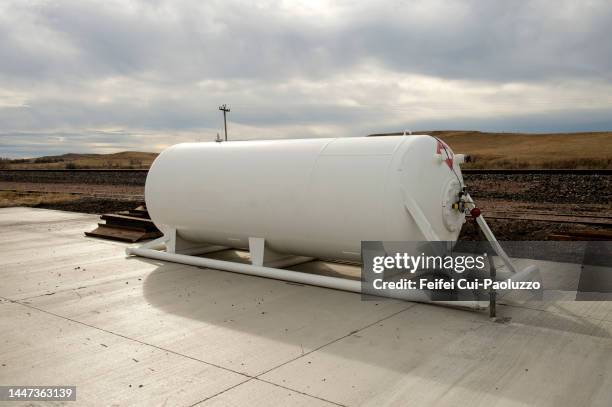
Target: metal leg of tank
[(156, 244), (168, 242), (492, 292), (176, 244), (262, 255)]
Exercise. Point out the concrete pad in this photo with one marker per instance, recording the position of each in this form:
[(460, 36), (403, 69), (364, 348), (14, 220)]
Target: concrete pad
[(42, 349), (243, 323), (435, 356), (561, 281), (24, 216), (258, 393), (49, 279), (53, 255), (84, 313)]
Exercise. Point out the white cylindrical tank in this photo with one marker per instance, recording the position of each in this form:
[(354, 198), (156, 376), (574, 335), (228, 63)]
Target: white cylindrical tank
[(309, 197)]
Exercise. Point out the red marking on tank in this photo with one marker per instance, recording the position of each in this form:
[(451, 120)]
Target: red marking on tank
[(442, 146)]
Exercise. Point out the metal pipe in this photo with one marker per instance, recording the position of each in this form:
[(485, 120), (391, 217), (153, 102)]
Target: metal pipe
[(336, 283)]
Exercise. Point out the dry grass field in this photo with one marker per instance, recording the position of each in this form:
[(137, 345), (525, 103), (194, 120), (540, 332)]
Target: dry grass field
[(507, 150), (125, 159), (487, 150), (10, 198)]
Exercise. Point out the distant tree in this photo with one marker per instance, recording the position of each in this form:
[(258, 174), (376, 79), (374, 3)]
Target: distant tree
[(71, 166)]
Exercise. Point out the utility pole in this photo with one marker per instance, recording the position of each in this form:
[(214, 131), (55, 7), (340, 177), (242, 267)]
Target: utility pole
[(225, 110)]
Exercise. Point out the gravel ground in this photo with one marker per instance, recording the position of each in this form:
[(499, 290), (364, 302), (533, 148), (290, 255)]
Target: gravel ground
[(545, 188), (81, 188), (124, 177), (521, 230), (560, 193)]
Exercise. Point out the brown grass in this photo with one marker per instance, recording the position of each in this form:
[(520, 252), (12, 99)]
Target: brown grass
[(8, 198), (125, 159), (509, 150)]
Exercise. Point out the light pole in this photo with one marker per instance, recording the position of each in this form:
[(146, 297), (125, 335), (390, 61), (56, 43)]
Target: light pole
[(225, 110)]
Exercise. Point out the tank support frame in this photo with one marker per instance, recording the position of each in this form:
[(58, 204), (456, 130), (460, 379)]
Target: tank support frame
[(269, 264)]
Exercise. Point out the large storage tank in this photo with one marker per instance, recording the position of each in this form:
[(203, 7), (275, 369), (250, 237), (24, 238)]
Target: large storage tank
[(310, 197)]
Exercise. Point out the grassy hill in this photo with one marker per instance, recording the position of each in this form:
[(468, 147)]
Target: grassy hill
[(508, 150), (487, 150), (522, 150), (125, 159)]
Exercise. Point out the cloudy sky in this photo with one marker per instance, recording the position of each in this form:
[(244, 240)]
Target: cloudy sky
[(79, 76)]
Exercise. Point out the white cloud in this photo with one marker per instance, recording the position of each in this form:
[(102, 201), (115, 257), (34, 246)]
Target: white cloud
[(145, 74)]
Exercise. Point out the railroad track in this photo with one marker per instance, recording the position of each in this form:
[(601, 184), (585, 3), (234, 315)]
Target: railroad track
[(526, 171), (123, 197), (537, 171), (549, 213), (551, 217)]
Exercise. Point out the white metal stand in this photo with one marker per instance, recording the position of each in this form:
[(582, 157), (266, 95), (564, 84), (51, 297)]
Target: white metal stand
[(261, 255)]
